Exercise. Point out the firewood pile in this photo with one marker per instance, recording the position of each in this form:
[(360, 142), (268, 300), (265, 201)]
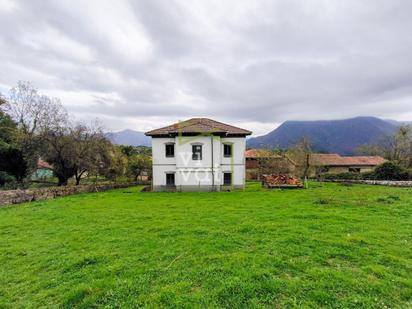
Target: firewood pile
[(281, 181)]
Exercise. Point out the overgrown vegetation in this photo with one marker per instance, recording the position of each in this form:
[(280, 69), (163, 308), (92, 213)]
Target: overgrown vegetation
[(329, 246)]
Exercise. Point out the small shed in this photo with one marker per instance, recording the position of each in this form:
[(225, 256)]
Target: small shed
[(43, 171)]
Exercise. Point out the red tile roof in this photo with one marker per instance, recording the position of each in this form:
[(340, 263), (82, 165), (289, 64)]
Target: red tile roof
[(257, 153), (333, 159), (43, 164), (199, 125), (364, 160)]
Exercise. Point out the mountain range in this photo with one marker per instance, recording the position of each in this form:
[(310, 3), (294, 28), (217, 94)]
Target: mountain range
[(336, 136), (129, 137)]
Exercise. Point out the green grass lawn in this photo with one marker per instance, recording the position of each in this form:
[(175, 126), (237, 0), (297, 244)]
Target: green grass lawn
[(329, 246)]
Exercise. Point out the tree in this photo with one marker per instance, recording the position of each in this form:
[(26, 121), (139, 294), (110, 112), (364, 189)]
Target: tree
[(130, 151), (92, 149), (12, 162), (114, 164), (402, 146), (273, 161), (43, 130), (58, 150), (397, 147), (36, 115), (33, 112), (8, 130), (300, 155), (139, 164), (11, 158)]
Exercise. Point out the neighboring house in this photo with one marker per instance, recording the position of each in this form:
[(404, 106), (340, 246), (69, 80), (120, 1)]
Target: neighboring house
[(43, 170), (261, 161), (334, 164), (198, 154)]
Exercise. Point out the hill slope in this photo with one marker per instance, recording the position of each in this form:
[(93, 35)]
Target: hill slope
[(129, 137), (340, 136)]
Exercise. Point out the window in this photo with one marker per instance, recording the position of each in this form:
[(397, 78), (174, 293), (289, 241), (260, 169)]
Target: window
[(170, 179), (170, 150), (354, 170), (324, 169), (227, 179), (227, 150), (196, 152)]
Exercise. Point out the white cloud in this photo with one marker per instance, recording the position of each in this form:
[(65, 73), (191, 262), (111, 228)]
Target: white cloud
[(8, 5)]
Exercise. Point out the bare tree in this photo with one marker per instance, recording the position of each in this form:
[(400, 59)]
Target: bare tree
[(274, 161), (300, 154), (33, 112), (397, 147), (36, 116), (401, 147)]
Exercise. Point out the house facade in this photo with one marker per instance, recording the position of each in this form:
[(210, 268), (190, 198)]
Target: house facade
[(198, 154), (43, 171)]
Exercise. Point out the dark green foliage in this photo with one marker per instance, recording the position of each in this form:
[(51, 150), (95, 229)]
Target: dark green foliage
[(59, 151), (12, 162), (130, 151), (390, 171), (6, 178), (368, 175), (7, 130), (251, 249)]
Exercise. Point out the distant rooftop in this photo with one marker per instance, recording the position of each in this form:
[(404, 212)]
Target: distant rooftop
[(259, 153), (199, 126), (333, 159)]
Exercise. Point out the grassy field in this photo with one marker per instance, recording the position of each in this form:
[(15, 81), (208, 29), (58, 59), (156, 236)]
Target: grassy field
[(330, 246)]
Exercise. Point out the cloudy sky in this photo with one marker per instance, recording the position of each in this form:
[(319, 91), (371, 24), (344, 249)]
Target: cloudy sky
[(142, 64)]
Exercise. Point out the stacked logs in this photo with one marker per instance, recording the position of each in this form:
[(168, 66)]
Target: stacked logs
[(281, 180)]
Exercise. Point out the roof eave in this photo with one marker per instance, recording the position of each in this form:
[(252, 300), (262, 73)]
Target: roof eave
[(173, 134)]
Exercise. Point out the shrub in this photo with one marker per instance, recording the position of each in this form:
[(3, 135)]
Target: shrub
[(390, 171), (6, 179), (368, 175), (342, 176)]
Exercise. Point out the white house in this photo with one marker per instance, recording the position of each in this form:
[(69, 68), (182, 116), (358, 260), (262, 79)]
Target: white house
[(198, 154)]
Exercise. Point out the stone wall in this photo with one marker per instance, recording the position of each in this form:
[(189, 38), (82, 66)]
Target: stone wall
[(20, 196), (392, 183)]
